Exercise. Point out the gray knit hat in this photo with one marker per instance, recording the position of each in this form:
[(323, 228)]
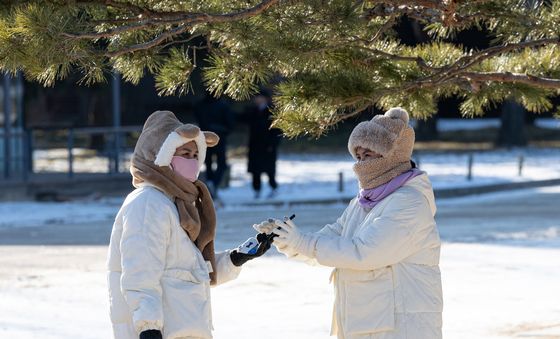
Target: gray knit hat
[(384, 134)]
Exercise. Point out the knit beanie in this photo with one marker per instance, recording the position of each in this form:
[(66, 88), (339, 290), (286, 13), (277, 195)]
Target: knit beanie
[(388, 135)]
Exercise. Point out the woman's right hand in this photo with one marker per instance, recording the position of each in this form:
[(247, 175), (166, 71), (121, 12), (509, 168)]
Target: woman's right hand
[(238, 258)]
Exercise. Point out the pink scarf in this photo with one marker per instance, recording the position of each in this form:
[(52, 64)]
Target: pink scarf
[(368, 198)]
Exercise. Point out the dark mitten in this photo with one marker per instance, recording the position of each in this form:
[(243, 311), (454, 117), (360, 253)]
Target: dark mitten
[(238, 258), (151, 334)]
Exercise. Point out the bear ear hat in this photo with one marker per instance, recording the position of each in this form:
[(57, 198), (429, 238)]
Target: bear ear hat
[(181, 135), (212, 138), (188, 131)]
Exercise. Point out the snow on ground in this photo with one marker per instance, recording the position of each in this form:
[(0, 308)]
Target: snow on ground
[(317, 176), (41, 213), (500, 283), (505, 286), (451, 124), (313, 177), (448, 125), (548, 123)]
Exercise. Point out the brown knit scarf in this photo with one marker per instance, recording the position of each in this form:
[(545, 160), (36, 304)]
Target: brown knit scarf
[(194, 203), (376, 172)]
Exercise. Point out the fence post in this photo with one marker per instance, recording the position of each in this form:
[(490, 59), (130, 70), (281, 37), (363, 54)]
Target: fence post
[(70, 153), (116, 119), (470, 165), (7, 124), (30, 151), (340, 182), (521, 160), (25, 153)]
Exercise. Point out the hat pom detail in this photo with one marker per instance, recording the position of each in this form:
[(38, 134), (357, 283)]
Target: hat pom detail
[(398, 113)]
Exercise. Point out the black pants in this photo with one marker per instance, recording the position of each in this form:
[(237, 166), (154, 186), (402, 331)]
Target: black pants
[(271, 180), (218, 152)]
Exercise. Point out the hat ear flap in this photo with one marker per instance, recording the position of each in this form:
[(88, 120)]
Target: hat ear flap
[(188, 131), (212, 138)]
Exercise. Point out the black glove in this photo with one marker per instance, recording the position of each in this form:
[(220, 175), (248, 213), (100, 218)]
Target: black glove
[(151, 334), (264, 240)]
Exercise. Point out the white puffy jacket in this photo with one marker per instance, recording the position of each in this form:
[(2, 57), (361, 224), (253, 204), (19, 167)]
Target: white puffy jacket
[(157, 277), (386, 277)]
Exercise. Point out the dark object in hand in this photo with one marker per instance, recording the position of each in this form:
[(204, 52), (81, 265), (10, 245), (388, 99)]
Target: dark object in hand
[(239, 259), (272, 235), (151, 334)]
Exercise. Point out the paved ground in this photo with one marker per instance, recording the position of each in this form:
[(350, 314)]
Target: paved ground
[(502, 212), (56, 283)]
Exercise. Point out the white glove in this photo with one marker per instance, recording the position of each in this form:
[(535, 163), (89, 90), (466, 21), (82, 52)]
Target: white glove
[(265, 227), (289, 236)]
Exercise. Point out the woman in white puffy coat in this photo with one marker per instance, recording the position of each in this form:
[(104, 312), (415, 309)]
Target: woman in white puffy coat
[(161, 259), (385, 247)]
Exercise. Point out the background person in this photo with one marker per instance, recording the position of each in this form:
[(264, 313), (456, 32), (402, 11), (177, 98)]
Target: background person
[(263, 144)]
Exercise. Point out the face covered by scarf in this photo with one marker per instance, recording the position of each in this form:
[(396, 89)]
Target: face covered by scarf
[(375, 172), (369, 198), (389, 136)]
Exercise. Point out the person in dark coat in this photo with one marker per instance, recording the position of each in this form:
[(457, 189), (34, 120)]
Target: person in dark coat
[(263, 144), (216, 116)]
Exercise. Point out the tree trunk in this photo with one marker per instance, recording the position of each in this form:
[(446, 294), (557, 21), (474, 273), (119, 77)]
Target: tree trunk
[(512, 130)]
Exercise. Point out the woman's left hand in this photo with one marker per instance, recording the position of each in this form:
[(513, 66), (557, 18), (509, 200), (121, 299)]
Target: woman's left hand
[(288, 234)]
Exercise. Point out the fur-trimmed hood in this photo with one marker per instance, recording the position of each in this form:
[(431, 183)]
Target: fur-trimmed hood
[(163, 133)]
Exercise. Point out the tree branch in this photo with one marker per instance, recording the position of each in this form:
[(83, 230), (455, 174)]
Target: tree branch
[(434, 4), (138, 10), (465, 62), (182, 18), (418, 60), (146, 45), (506, 77), (527, 79)]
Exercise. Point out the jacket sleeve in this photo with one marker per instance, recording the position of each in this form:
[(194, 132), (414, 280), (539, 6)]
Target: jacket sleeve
[(146, 233), (226, 269), (384, 240), (329, 230)]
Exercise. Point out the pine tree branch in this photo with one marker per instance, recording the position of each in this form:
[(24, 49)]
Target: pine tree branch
[(179, 18), (508, 77), (418, 60), (184, 41), (118, 4), (478, 57), (341, 117), (135, 26), (433, 4), (469, 61), (386, 26), (147, 45), (472, 78)]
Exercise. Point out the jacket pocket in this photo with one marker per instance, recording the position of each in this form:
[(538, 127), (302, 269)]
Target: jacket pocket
[(186, 304), (369, 302)]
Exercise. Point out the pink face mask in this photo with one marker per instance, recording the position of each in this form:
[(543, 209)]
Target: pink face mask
[(187, 168)]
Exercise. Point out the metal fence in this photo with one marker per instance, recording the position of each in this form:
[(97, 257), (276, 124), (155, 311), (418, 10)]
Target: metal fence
[(31, 152)]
